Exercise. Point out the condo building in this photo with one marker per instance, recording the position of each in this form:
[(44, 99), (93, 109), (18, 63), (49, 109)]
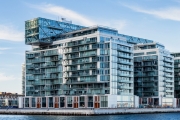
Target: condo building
[(23, 78), (8, 99), (72, 66), (154, 75), (176, 74)]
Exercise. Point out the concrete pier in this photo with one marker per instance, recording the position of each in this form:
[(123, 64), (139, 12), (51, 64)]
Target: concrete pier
[(86, 112)]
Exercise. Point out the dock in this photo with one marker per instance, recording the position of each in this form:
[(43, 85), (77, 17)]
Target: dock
[(87, 112)]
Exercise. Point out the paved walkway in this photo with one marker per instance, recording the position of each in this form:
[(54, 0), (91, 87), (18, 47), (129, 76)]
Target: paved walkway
[(87, 111)]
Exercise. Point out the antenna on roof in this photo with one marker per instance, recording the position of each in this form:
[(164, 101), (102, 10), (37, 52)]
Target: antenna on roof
[(66, 21)]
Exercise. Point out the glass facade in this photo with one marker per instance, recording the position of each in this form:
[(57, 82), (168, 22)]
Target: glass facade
[(78, 63), (153, 72), (176, 74)]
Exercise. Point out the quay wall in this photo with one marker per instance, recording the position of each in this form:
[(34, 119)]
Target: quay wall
[(86, 112)]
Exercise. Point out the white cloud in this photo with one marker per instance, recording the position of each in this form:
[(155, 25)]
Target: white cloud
[(116, 24), (78, 18), (4, 77), (10, 33), (172, 13), (5, 48), (2, 49), (63, 12)]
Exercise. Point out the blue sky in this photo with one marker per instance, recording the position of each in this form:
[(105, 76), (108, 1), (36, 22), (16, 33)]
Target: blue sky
[(157, 20)]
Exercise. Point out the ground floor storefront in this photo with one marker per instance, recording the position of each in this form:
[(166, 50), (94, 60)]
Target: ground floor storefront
[(84, 101), (158, 102)]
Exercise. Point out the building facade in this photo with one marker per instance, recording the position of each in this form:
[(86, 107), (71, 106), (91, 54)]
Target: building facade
[(9, 99), (72, 66), (153, 75), (23, 78), (176, 74)]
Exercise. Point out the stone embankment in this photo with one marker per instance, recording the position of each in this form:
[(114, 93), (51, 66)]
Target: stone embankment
[(86, 112)]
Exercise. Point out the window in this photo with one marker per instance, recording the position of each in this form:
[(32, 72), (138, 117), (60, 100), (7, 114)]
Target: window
[(50, 101), (104, 101), (44, 102), (90, 101), (153, 52), (138, 54), (69, 101)]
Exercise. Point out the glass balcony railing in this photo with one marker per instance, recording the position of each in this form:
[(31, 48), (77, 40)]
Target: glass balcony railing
[(125, 81), (167, 75), (125, 62), (168, 81), (168, 70), (124, 87), (127, 75), (168, 60), (167, 65), (166, 85), (123, 68), (126, 50), (125, 56)]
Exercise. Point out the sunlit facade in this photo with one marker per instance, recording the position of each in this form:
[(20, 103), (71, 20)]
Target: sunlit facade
[(72, 66), (153, 74)]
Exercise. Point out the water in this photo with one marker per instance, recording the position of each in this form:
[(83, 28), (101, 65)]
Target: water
[(158, 116)]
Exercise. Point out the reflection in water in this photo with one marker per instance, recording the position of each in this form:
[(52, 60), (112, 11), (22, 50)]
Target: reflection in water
[(162, 116)]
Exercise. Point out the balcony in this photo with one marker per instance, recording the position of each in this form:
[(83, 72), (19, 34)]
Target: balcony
[(124, 62), (167, 60), (124, 93), (168, 90), (49, 77), (125, 56), (168, 75), (125, 81), (168, 70), (50, 54), (126, 50), (124, 87), (88, 67), (127, 69), (126, 75), (168, 65), (168, 96), (168, 81), (35, 72), (168, 85)]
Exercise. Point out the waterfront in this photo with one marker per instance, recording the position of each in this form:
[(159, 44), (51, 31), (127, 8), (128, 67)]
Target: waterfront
[(158, 116)]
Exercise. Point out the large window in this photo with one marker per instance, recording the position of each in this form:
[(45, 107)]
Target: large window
[(104, 101), (33, 102), (26, 102), (62, 102), (90, 101), (43, 101), (50, 101), (82, 101), (69, 101)]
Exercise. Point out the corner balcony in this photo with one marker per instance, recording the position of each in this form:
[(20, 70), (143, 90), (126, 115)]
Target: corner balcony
[(168, 81), (168, 75), (168, 65), (168, 90), (168, 60), (168, 70), (168, 85)]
